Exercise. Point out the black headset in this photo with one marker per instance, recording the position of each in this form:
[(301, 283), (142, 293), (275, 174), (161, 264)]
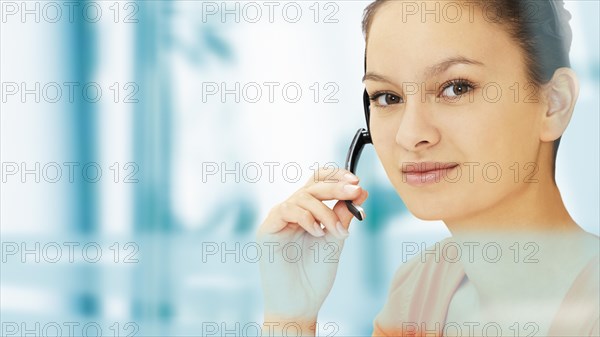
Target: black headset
[(361, 138)]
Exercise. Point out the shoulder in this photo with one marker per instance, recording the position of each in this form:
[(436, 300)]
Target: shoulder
[(587, 283), (595, 328), (586, 294), (580, 308), (420, 290)]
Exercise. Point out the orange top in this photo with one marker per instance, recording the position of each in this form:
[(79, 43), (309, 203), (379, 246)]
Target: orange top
[(420, 296)]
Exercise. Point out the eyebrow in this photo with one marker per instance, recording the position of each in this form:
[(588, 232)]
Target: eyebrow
[(431, 71)]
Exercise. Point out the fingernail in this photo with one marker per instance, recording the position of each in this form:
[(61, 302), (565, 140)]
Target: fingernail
[(343, 231), (350, 188), (350, 177), (318, 230)]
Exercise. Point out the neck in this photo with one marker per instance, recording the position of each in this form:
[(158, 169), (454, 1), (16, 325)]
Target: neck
[(526, 248), (534, 207)]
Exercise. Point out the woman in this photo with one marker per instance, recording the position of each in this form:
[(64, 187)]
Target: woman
[(469, 100)]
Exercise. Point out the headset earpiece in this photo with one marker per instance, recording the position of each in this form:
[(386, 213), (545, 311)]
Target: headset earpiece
[(367, 109)]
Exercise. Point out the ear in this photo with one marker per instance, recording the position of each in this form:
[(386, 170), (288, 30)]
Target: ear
[(560, 96)]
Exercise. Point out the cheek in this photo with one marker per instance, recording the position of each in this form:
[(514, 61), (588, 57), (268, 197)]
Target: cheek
[(509, 134), (493, 132), (383, 135)]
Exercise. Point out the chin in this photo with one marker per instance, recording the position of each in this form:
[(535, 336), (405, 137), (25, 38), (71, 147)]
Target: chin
[(427, 212), (433, 206), (427, 216)]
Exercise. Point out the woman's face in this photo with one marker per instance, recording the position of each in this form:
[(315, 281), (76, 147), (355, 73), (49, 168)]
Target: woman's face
[(452, 92)]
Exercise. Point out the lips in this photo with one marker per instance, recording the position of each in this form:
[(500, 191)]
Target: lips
[(423, 167), (420, 174)]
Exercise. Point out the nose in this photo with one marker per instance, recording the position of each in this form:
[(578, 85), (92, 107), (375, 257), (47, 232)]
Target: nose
[(416, 131)]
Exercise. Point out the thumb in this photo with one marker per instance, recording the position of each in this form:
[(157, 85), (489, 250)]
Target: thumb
[(341, 210)]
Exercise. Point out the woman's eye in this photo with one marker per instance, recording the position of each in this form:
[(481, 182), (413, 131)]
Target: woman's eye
[(385, 99), (457, 88)]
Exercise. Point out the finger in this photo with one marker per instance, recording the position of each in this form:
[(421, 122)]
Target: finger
[(342, 190), (288, 213), (341, 210), (322, 213), (331, 175)]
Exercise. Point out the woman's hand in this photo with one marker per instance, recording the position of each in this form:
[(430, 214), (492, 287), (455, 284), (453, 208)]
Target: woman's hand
[(298, 273)]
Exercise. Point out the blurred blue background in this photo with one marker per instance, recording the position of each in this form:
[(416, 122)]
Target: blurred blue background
[(145, 93)]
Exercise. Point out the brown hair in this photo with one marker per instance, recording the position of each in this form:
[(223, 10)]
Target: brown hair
[(540, 27)]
